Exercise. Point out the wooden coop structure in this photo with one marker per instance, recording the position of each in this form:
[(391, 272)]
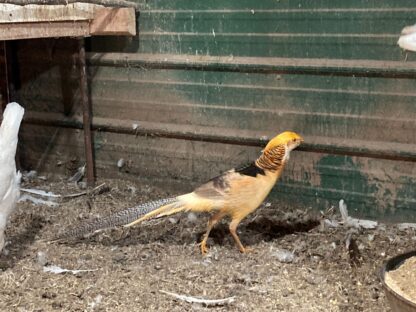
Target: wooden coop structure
[(193, 90)]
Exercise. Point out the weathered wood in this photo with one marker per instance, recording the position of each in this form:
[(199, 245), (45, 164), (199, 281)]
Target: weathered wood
[(44, 30), (86, 113), (11, 13), (73, 20), (110, 21), (112, 3)]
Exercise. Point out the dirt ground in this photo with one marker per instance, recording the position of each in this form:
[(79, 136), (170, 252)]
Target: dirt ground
[(129, 267)]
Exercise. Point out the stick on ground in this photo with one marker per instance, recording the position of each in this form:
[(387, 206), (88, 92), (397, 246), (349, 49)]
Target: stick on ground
[(205, 302)]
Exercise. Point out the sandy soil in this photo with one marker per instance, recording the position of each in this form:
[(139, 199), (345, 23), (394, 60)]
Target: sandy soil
[(129, 267), (403, 279)]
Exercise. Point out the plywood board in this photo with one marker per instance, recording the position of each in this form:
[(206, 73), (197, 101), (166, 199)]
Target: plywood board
[(72, 20), (44, 30), (113, 21), (10, 13)]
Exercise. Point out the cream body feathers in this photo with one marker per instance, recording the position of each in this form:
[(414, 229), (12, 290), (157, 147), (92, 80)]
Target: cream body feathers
[(236, 193), (9, 178)]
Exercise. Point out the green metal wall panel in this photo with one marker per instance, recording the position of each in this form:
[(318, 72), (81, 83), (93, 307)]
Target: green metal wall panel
[(330, 70)]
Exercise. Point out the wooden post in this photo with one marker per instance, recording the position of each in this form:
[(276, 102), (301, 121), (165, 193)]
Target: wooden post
[(87, 120)]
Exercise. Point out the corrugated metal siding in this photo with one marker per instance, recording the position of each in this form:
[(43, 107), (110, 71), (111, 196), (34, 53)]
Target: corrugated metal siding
[(358, 120)]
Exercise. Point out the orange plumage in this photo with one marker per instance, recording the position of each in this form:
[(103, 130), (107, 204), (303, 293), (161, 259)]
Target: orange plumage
[(237, 192)]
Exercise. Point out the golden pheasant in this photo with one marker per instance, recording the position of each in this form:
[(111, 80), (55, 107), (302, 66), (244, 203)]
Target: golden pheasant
[(236, 193)]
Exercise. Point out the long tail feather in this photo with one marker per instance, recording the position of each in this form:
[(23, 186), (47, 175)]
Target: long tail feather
[(123, 217), (163, 211)]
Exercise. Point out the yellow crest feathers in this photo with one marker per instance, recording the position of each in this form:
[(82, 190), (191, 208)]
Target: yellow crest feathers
[(283, 138)]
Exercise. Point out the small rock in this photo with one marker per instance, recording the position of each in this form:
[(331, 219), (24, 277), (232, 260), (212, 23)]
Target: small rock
[(32, 174), (119, 257), (192, 217), (286, 292), (120, 163), (173, 220), (48, 295), (82, 185), (314, 279), (41, 258), (132, 189), (284, 256), (371, 237)]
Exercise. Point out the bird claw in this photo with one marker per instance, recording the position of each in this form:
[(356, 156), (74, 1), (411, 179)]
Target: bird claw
[(246, 250), (204, 248)]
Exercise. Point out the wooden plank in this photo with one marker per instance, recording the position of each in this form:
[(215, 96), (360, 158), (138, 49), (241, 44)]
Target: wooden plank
[(10, 13), (44, 30), (111, 21)]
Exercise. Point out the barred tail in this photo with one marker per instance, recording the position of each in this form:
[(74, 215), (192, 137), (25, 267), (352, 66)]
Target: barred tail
[(124, 217), (165, 210)]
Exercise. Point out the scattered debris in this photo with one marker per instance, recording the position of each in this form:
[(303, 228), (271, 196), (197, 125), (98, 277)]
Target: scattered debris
[(95, 191), (204, 302), (97, 300), (370, 237), (406, 226), (58, 270), (343, 210), (352, 249), (78, 175), (120, 163), (40, 192), (31, 175), (353, 222), (82, 185), (284, 256), (102, 188), (173, 220), (330, 223), (37, 201), (41, 258), (192, 217)]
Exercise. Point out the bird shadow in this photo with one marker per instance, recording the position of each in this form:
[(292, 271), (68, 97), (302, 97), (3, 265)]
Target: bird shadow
[(269, 229), (20, 242)]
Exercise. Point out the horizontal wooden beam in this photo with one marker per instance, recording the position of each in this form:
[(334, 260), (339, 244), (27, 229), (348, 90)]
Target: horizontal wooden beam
[(108, 3), (44, 30), (73, 20), (366, 68), (10, 13), (382, 150)]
